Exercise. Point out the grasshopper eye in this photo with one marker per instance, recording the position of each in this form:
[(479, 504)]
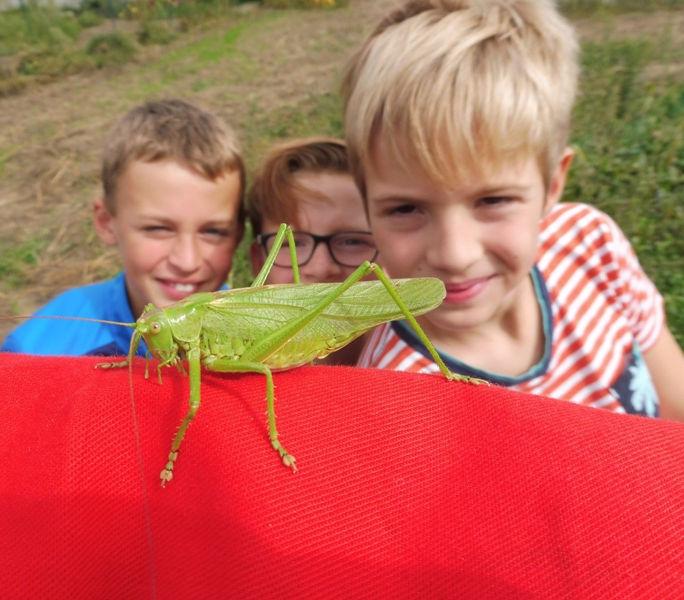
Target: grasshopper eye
[(155, 327)]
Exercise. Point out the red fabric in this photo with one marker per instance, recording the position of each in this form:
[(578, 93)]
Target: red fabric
[(409, 486)]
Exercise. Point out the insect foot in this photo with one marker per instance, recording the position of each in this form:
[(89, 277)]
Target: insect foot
[(286, 457), (167, 473), (467, 379), (112, 365)]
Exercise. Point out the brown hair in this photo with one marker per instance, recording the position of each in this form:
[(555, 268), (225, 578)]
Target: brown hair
[(274, 190), (170, 129)]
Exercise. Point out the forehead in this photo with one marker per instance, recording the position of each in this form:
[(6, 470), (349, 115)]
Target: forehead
[(325, 203), (171, 187), (392, 169), (326, 186)]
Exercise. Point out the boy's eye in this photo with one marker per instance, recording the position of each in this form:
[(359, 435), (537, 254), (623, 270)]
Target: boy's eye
[(155, 228), (403, 209), (218, 232), (494, 200), (351, 242), (301, 241)]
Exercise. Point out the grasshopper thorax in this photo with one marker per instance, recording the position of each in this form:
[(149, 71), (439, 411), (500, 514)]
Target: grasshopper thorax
[(154, 327)]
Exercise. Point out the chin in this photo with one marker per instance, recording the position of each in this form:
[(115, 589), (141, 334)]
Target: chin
[(461, 319)]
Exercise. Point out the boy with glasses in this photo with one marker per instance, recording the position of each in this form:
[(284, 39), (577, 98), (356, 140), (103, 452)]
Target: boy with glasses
[(307, 184)]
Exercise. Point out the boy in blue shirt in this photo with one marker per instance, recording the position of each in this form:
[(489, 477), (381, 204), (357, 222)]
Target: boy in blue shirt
[(173, 181)]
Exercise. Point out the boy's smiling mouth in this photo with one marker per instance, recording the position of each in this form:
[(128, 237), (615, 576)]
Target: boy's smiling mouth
[(463, 291), (177, 290)]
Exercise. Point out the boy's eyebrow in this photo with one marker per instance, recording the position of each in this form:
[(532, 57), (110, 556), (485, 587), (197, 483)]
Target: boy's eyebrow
[(501, 188), (229, 222), (504, 188)]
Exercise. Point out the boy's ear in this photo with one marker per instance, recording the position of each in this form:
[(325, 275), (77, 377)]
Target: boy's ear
[(558, 178), (104, 223), (256, 255)]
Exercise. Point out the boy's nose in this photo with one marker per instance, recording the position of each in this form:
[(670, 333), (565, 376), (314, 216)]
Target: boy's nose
[(185, 254), (321, 267), (456, 245)]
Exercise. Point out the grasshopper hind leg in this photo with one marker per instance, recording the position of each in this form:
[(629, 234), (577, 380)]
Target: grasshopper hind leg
[(231, 366)]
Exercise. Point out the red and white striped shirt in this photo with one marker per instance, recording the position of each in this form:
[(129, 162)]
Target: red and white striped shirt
[(600, 311)]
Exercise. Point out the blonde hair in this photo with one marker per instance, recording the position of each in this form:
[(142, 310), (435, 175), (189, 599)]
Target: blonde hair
[(453, 84), (170, 130), (275, 192)]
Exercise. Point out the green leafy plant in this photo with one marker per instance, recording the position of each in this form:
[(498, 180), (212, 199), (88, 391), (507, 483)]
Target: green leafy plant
[(629, 137), (304, 3), (113, 48), (155, 32), (16, 259)]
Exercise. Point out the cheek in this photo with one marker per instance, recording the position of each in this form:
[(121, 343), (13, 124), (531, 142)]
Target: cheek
[(220, 256), (280, 275), (219, 268), (515, 245), (398, 253), (345, 272), (142, 255)]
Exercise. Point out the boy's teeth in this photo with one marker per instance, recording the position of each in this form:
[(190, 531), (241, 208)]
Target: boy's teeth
[(184, 287)]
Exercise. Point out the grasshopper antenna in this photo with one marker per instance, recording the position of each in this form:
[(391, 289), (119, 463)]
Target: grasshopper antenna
[(135, 342), (61, 318)]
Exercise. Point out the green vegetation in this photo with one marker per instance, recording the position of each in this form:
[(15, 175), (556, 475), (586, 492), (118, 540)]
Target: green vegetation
[(15, 260), (113, 48), (315, 115), (42, 42), (34, 25), (629, 137), (304, 3), (592, 7)]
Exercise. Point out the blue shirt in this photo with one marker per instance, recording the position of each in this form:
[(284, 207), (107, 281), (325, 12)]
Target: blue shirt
[(105, 300)]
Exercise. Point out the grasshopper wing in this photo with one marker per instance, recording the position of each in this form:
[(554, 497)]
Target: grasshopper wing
[(253, 314)]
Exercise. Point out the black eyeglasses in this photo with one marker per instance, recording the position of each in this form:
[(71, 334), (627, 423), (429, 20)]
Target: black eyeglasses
[(346, 248)]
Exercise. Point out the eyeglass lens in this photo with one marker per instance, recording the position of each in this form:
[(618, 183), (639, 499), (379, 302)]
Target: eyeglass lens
[(348, 249)]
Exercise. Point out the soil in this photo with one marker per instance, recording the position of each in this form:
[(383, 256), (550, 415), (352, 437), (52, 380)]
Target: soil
[(51, 135)]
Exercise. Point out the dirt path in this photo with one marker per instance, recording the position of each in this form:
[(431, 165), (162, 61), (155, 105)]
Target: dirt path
[(50, 136)]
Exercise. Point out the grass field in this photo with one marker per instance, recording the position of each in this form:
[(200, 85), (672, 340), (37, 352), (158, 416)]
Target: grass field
[(275, 74)]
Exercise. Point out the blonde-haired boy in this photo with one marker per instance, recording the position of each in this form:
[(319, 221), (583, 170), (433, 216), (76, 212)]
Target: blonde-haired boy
[(457, 114), (173, 182)]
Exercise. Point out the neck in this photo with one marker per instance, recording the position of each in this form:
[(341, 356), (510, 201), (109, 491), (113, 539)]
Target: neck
[(509, 343)]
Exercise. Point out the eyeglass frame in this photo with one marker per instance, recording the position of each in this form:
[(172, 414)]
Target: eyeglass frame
[(263, 238)]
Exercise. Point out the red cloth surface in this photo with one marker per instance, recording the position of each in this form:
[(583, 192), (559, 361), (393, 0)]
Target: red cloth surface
[(409, 486)]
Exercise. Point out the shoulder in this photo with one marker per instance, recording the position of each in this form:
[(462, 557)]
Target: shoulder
[(573, 221), (101, 300), (89, 300), (578, 236), (589, 267)]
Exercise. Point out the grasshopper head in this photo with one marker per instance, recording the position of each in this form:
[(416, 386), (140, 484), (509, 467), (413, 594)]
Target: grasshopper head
[(154, 327)]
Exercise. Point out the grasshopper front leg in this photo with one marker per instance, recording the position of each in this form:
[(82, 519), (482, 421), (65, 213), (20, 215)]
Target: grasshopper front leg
[(284, 232), (193, 356)]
